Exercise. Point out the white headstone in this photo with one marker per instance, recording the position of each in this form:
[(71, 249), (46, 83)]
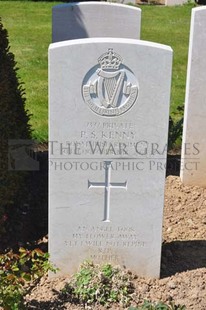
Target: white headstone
[(193, 163), (109, 111), (123, 1), (95, 19)]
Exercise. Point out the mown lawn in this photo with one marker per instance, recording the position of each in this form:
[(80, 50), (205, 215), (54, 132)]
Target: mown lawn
[(29, 28), (170, 26)]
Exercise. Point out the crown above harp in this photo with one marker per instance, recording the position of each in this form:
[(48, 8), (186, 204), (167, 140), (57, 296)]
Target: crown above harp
[(110, 60)]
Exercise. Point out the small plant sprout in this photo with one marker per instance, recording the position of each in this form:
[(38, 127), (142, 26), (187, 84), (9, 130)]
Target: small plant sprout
[(104, 285)]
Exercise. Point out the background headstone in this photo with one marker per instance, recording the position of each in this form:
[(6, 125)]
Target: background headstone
[(193, 163), (123, 1), (95, 19), (175, 2), (162, 2), (109, 112)]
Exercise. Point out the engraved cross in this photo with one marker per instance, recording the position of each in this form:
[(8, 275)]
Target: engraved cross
[(107, 185)]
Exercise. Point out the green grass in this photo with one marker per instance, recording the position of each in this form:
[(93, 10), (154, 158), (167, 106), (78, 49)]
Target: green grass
[(29, 28), (170, 26)]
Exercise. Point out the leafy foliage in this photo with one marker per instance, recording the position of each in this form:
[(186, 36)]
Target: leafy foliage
[(158, 306), (175, 129), (13, 125), (17, 270), (105, 285), (99, 284)]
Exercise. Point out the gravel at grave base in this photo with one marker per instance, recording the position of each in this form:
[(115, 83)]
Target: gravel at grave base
[(183, 267)]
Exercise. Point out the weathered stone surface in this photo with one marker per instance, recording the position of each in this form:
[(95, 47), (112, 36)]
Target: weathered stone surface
[(193, 163), (95, 19), (109, 111)]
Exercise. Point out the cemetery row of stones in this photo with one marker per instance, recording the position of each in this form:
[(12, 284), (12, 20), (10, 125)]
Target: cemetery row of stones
[(116, 123), (20, 189), (115, 155)]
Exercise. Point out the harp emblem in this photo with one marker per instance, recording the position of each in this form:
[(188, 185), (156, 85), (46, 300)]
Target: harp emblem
[(110, 89)]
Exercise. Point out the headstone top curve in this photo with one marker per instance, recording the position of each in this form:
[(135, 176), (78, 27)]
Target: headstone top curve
[(93, 3), (110, 40)]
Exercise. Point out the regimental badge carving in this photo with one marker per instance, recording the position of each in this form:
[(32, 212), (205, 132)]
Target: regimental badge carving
[(110, 88)]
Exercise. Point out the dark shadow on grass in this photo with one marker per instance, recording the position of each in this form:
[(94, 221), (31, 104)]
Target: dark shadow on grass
[(180, 256)]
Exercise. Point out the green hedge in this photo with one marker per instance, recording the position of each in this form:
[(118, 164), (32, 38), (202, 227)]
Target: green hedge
[(13, 125)]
